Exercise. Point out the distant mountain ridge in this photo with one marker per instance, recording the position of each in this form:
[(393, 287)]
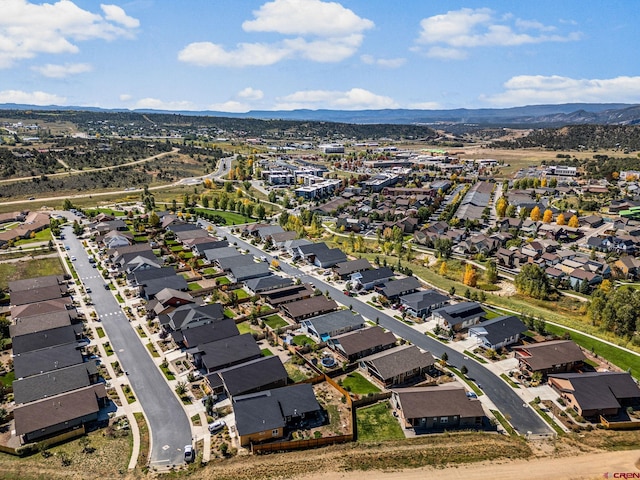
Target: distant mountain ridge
[(532, 115)]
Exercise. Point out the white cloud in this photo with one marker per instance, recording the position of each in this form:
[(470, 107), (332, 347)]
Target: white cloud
[(311, 29), (251, 93), (28, 29), (230, 106), (447, 35), (125, 97), (116, 14), (306, 17), (538, 89), (31, 98), (354, 99), (156, 104), (383, 62), (62, 71)]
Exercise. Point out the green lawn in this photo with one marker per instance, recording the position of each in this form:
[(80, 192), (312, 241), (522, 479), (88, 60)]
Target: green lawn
[(193, 286), (222, 280), (295, 374), (230, 217), (377, 424), (176, 248), (108, 211), (152, 349), (8, 378), (302, 340), (242, 294), (119, 298), (210, 271), (266, 352), (356, 383), (167, 373), (100, 332), (618, 357), (229, 313), (108, 349), (141, 331), (29, 268), (244, 327), (41, 236), (275, 321)]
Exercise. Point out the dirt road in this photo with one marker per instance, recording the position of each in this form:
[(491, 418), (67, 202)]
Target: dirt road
[(584, 467)]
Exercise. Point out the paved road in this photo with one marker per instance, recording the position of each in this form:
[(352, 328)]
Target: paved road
[(170, 428), (521, 416)]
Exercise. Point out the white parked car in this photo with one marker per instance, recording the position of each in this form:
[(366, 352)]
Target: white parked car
[(217, 425)]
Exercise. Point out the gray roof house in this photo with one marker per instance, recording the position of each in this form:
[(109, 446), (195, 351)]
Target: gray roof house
[(345, 269), (44, 339), (46, 359), (192, 315), (209, 332), (498, 332), (254, 376), (241, 273), (461, 315), (393, 289), (368, 279), (265, 415), (323, 327), (398, 365), (235, 261), (265, 284), (421, 304), (226, 353)]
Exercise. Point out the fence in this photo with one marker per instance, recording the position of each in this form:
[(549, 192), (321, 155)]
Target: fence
[(371, 399), (619, 425), (300, 444), (31, 448)]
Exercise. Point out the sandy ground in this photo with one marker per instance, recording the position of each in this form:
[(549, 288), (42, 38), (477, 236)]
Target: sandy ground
[(583, 467)]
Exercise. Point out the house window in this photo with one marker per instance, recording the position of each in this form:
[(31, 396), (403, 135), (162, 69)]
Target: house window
[(275, 432), (444, 420)]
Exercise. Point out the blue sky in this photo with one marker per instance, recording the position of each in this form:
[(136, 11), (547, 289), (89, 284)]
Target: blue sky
[(240, 55)]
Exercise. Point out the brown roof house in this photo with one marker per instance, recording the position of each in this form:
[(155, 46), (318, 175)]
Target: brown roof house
[(309, 307), (593, 394), (556, 356), (60, 413), (437, 408), (363, 342), (398, 365)]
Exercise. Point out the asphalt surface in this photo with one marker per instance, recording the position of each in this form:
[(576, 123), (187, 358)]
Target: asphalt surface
[(510, 404), (168, 423)]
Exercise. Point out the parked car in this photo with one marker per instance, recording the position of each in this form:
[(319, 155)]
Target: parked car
[(217, 425), (189, 453)]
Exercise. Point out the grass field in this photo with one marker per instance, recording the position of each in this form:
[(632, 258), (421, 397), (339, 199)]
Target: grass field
[(266, 352), (275, 322), (242, 294), (41, 236), (193, 286), (231, 217), (244, 327), (377, 424), (302, 340), (356, 383), (29, 268)]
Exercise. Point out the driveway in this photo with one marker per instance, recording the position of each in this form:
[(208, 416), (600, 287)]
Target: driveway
[(169, 426), (512, 405)]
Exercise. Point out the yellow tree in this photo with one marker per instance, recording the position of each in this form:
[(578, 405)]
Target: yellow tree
[(470, 276), (560, 220), (443, 268), (605, 286), (543, 182), (548, 216), (535, 213), (574, 222), (501, 207)]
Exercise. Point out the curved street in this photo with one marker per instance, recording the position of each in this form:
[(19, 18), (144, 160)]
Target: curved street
[(514, 408)]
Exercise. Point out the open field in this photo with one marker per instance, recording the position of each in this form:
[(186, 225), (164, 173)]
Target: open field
[(28, 268), (377, 424)]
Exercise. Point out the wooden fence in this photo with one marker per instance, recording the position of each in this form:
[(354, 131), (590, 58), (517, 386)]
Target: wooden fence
[(619, 425), (299, 444)]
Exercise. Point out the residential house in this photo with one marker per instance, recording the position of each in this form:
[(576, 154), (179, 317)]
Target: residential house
[(394, 289), (460, 316), (214, 254), (46, 359), (266, 232), (323, 327), (362, 342), (64, 304), (279, 239), (151, 281), (345, 269), (60, 413), (49, 384), (200, 245), (629, 266), (292, 247), (206, 333), (167, 300), (35, 295), (578, 276), (438, 407), (225, 353), (115, 239), (272, 414), (498, 332), (505, 257), (270, 282), (592, 394), (238, 260), (192, 315), (39, 323), (368, 279), (556, 356), (421, 304), (264, 373), (241, 273), (398, 365), (283, 295), (44, 339), (29, 284), (309, 307)]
